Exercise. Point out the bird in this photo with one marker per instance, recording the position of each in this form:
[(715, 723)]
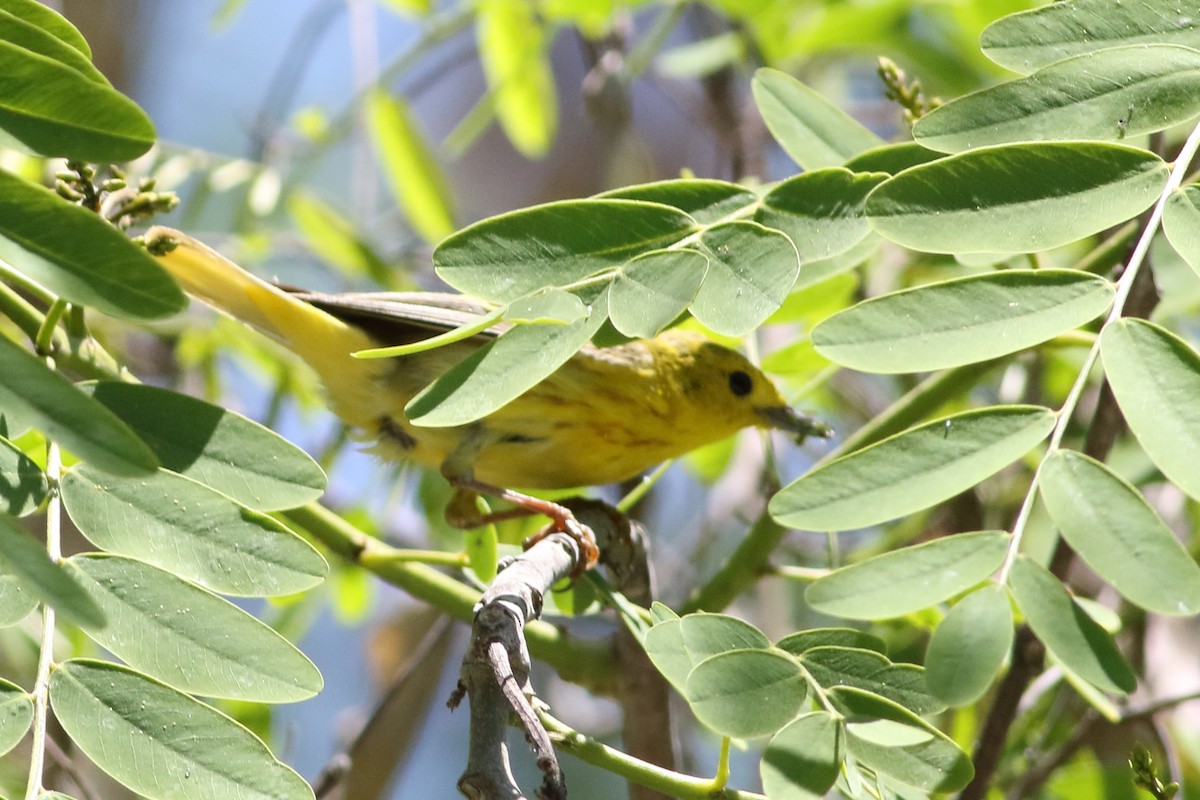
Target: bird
[(606, 415)]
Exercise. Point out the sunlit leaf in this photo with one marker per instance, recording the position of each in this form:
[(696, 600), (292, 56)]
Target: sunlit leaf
[(1066, 629), (813, 131), (821, 211), (744, 693), (969, 646), (911, 470), (1120, 536), (16, 712), (1016, 198), (123, 720), (23, 486), (513, 50), (751, 269), (802, 761), (653, 289), (978, 317), (902, 581)]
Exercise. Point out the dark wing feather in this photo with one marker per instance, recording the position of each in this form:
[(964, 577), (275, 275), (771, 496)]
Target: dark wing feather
[(401, 317)]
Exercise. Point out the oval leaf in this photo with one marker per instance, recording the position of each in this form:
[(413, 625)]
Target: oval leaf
[(23, 486), (911, 470), (653, 289), (751, 269), (908, 580), (16, 713), (1181, 224), (1031, 39), (215, 446), (1108, 95), (1016, 198), (707, 635), (803, 760), (979, 317), (1155, 377), (706, 201), (969, 647), (810, 129), (26, 559), (505, 257), (847, 666), (1119, 534), (68, 416), (187, 528), (188, 637), (664, 645), (821, 211), (898, 744), (77, 255), (1068, 632), (745, 693), (57, 111), (123, 720), (797, 643), (499, 372)]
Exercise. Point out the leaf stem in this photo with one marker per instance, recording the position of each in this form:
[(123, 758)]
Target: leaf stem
[(41, 685), (1124, 286)]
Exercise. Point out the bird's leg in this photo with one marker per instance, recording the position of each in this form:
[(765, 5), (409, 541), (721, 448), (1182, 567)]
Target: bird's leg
[(461, 512)]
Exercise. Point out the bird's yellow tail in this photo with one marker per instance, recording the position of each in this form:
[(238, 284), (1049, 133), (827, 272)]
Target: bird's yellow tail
[(320, 339)]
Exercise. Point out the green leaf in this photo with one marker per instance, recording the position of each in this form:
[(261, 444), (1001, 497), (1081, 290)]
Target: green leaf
[(746, 693), (1016, 198), (55, 110), (1119, 534), (332, 237), (183, 526), (707, 635), (68, 416), (903, 581), (505, 257), (802, 761), (499, 372), (1108, 95), (16, 602), (77, 255), (188, 637), (50, 21), (664, 645), (1031, 39), (23, 487), (751, 269), (26, 559), (978, 318), (897, 743), (702, 57), (1155, 377), (911, 470), (653, 289), (547, 305), (16, 30), (797, 643), (821, 211), (123, 721), (969, 647), (1181, 224), (813, 131), (892, 158), (1068, 632), (706, 201), (513, 50), (16, 713), (871, 671), (217, 447), (410, 166)]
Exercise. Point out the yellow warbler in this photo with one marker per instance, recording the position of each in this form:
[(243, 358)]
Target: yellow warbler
[(604, 416)]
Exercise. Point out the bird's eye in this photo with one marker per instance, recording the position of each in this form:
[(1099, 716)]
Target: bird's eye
[(740, 383)]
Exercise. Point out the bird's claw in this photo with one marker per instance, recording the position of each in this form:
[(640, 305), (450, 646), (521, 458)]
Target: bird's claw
[(589, 550)]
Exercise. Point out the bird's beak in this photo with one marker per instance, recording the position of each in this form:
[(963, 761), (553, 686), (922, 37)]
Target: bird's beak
[(787, 419)]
